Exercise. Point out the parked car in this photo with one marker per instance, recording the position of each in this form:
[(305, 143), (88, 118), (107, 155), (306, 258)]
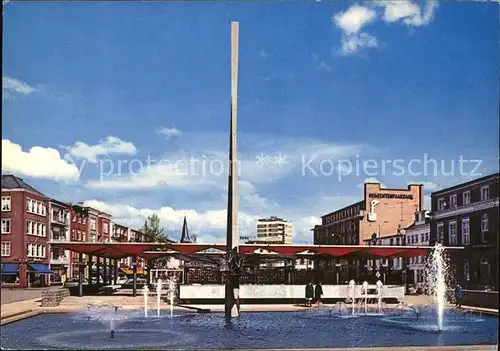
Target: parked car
[(122, 280), (73, 282)]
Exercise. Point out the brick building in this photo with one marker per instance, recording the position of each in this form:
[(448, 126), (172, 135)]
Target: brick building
[(381, 212), (467, 215), (25, 228)]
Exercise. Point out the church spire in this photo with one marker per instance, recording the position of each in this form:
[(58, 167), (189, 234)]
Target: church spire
[(185, 233)]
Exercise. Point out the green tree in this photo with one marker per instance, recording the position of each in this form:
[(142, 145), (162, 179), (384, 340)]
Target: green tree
[(194, 238), (153, 231)]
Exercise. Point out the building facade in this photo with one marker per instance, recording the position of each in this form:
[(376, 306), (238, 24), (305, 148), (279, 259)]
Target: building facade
[(25, 233), (467, 215), (60, 230), (273, 230), (418, 234), (391, 270), (381, 212)]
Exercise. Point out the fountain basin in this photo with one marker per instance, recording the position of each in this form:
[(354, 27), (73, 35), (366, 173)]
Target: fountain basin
[(252, 330)]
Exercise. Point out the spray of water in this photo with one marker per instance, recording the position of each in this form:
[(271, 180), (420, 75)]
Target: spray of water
[(145, 292), (436, 274), (352, 287), (159, 287), (365, 292), (379, 293), (172, 285)]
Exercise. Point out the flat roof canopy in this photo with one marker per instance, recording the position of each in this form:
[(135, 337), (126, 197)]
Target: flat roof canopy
[(156, 250), (107, 250)]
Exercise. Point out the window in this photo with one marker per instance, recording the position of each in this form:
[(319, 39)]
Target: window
[(452, 232), (422, 237), (36, 250), (484, 227), (92, 224), (105, 228), (440, 233), (426, 236), (466, 271), (465, 232), (485, 193), (36, 207), (466, 198), (441, 204), (36, 228), (6, 205), (5, 226), (453, 201), (5, 248)]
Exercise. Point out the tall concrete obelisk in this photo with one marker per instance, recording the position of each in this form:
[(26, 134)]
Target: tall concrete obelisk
[(232, 237), (232, 200)]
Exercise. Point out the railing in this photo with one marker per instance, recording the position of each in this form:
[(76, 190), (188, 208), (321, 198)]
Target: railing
[(59, 260), (60, 219), (59, 238)]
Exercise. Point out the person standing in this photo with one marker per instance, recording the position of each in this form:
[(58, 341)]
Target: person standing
[(318, 292), (459, 295), (309, 294)]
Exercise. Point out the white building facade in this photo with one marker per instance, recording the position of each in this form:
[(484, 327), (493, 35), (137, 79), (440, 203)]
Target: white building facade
[(273, 230), (418, 234)]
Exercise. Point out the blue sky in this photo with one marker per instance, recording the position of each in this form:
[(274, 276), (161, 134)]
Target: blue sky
[(89, 85)]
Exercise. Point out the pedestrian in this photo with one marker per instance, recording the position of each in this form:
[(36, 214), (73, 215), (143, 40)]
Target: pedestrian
[(459, 295), (309, 294), (318, 292)]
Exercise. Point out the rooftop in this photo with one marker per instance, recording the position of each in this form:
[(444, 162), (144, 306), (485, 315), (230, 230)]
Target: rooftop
[(10, 181)]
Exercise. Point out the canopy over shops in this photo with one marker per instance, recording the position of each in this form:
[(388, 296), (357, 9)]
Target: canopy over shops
[(157, 250)]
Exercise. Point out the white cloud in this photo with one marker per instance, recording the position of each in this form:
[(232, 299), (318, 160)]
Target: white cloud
[(38, 162), (353, 19), (353, 43), (169, 132), (17, 86), (428, 185), (109, 146), (210, 225), (265, 161), (351, 22), (324, 67), (409, 12)]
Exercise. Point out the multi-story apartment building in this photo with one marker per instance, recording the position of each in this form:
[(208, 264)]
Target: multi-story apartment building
[(25, 228), (273, 230), (60, 230), (418, 234), (381, 212), (467, 215)]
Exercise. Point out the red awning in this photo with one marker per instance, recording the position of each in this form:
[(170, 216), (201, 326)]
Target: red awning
[(108, 250), (156, 250)]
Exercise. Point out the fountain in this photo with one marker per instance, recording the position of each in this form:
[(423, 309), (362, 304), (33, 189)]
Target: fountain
[(352, 288), (145, 293), (379, 293), (365, 292), (436, 280), (172, 287), (159, 286), (107, 315)]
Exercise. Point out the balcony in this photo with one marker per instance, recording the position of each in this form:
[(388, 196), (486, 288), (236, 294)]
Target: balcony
[(62, 237), (55, 259), (59, 218)]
